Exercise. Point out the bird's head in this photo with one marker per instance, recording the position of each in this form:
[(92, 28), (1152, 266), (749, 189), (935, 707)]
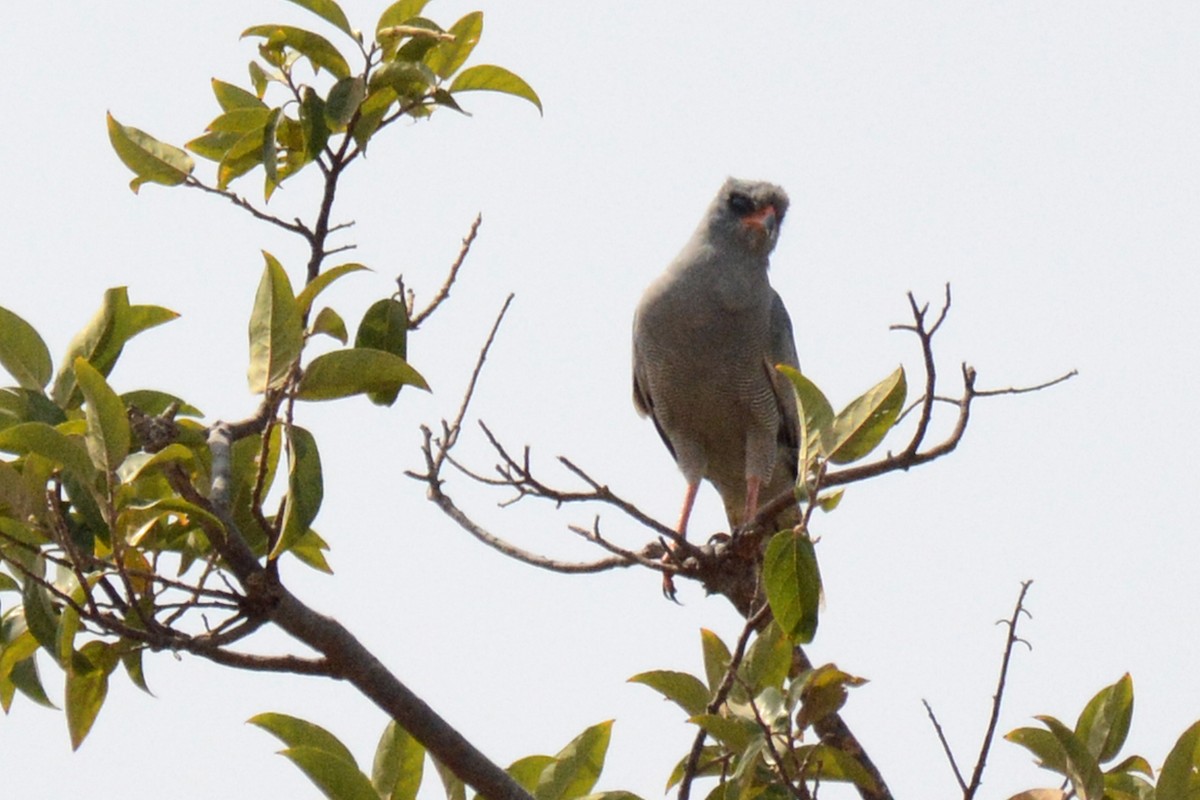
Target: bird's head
[(749, 214)]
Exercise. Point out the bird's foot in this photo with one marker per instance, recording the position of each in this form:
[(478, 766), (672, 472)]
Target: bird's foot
[(668, 588)]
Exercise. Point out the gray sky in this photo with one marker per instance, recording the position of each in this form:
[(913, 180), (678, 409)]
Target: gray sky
[(1041, 157)]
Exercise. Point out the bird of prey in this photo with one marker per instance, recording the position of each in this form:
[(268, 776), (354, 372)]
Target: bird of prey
[(707, 335)]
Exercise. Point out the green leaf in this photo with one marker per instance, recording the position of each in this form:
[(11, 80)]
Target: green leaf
[(305, 488), (343, 373), (736, 733), (343, 103), (337, 778), (107, 424), (260, 78), (25, 678), (400, 12), (153, 402), (131, 659), (712, 762), (304, 300), (716, 658), (793, 583), (87, 686), (103, 339), (828, 502), (178, 506), (310, 550), (1104, 722), (1177, 780), (384, 327), (1044, 746), (231, 97), (1134, 764), (18, 500), (270, 151), (447, 56), (330, 323), (276, 334), (329, 11), (824, 693), (90, 524), (861, 426), (423, 35), (444, 98), (296, 732), (23, 353), (244, 155), (683, 689), (768, 660), (490, 78), (399, 763), (1082, 769), (528, 771), (816, 416), (40, 438), (577, 766), (834, 764), (214, 145), (1123, 786), (371, 114), (174, 453), (455, 790), (316, 48), (408, 79), (313, 125), (150, 160), (40, 616), (25, 405)]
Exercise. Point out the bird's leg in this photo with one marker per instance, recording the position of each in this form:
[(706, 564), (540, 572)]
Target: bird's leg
[(689, 499), (753, 486)]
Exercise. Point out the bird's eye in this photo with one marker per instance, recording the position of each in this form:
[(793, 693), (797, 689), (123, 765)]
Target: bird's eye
[(740, 204)]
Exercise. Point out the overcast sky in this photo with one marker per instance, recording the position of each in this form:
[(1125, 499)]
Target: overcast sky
[(1042, 157)]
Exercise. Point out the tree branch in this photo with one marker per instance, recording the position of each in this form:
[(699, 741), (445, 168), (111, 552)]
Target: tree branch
[(294, 227)]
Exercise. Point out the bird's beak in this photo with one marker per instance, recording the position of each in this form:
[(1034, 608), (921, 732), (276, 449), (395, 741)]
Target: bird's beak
[(765, 219)]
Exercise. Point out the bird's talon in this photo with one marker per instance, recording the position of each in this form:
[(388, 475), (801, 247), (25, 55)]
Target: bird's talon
[(668, 588)]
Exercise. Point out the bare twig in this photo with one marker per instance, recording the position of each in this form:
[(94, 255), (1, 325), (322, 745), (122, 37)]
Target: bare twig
[(962, 784), (1026, 389), (998, 697), (451, 276), (295, 227)]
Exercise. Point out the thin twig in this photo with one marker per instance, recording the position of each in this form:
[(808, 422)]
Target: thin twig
[(997, 699), (962, 784), (295, 227), (1025, 389), (444, 292)]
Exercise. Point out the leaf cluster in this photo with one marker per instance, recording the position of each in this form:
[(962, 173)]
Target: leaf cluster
[(398, 768), (103, 527), (1079, 754), (760, 713), (409, 68)]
